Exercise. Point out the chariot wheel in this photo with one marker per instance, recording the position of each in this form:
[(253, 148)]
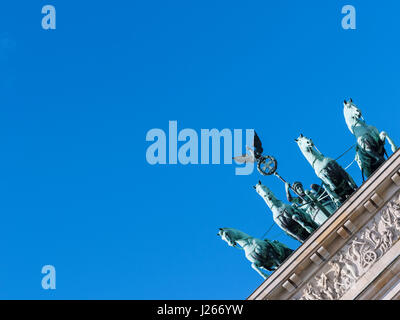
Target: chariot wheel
[(369, 257), (267, 165)]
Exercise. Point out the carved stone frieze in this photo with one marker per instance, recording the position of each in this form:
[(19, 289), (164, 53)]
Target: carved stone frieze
[(361, 251)]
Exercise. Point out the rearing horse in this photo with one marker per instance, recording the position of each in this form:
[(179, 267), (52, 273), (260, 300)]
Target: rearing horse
[(337, 182), (296, 223), (370, 150), (263, 254)]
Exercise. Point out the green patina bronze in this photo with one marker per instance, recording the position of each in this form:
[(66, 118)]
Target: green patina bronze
[(337, 182), (370, 149), (295, 222), (315, 202), (309, 208), (263, 254)]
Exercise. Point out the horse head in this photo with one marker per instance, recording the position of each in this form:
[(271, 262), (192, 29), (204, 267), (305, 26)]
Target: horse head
[(266, 194), (309, 150), (305, 144), (231, 236), (352, 114)]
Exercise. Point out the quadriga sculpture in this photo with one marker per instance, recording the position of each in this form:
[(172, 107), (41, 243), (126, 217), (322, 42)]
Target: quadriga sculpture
[(337, 182), (370, 150), (263, 254), (296, 223)]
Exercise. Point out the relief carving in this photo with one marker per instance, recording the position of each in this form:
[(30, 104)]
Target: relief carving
[(357, 256)]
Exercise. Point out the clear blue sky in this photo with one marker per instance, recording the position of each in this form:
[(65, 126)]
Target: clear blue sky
[(76, 103)]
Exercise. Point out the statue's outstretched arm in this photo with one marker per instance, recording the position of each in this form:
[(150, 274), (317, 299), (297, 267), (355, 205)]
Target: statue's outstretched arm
[(288, 195), (259, 271)]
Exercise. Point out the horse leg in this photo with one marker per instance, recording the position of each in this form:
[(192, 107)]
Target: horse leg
[(335, 198), (329, 187), (383, 135), (286, 229), (297, 218), (350, 180), (259, 271)]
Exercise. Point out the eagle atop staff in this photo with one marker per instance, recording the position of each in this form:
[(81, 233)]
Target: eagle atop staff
[(253, 155)]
